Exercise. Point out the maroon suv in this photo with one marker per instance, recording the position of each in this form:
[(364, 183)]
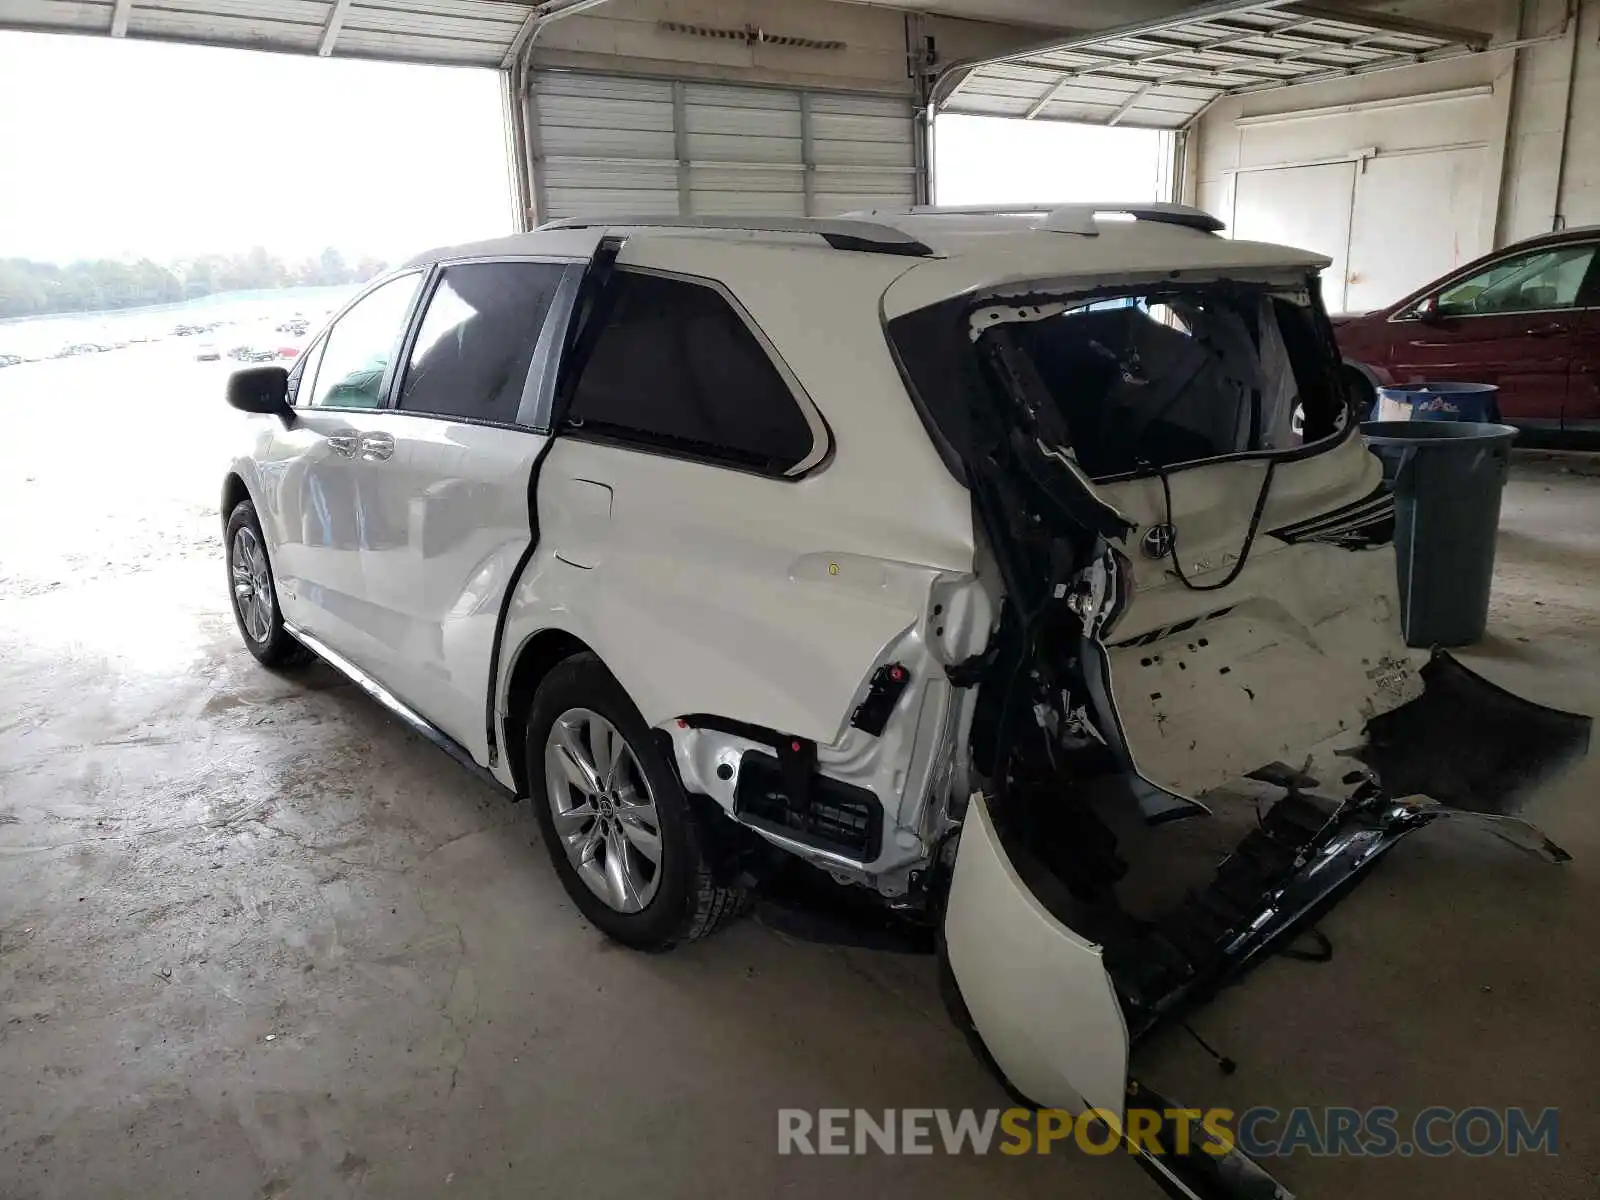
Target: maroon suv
[(1526, 317)]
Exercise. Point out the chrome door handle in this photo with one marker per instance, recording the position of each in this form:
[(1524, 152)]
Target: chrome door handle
[(342, 444), (1544, 330), (376, 447)]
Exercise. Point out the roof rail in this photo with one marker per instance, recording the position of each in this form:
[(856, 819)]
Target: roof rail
[(873, 237), (1065, 218), (1079, 218), (974, 210)]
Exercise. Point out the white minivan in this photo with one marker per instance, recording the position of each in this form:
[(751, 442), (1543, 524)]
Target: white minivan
[(930, 549)]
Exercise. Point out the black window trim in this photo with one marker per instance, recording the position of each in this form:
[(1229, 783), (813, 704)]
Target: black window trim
[(534, 407), (297, 373), (820, 454)]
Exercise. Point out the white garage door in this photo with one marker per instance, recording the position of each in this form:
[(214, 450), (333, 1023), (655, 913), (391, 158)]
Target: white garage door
[(1300, 206), (615, 145), (1415, 217), (1396, 191), (1390, 223)]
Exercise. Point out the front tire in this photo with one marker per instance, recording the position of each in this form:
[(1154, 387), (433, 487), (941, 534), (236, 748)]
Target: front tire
[(253, 592), (628, 846)]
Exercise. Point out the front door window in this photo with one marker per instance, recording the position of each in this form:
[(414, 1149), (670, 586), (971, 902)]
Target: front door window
[(357, 351), (1539, 281)]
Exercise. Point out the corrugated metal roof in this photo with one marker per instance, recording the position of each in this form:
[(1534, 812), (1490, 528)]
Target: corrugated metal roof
[(461, 32), (1162, 74)]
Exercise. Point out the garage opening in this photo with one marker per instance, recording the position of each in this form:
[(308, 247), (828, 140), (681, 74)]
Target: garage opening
[(998, 160), (171, 213)]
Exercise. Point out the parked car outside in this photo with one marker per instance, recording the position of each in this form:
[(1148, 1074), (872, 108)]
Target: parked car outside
[(918, 552), (1525, 318)]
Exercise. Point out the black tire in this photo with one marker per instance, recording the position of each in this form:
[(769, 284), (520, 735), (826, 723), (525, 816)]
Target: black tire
[(688, 903), (1363, 392), (270, 642)]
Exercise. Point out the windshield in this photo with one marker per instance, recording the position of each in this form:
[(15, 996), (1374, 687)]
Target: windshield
[(1167, 376)]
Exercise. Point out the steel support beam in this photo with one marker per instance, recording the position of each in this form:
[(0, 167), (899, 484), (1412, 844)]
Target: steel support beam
[(331, 27), (680, 143), (808, 157), (533, 156), (516, 139), (119, 18), (1133, 99)]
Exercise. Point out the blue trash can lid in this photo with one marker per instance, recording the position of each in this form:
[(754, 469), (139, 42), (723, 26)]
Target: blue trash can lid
[(1439, 389), (1414, 433)]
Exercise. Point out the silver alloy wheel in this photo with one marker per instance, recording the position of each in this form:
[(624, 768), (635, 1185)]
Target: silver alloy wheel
[(252, 586), (603, 809)]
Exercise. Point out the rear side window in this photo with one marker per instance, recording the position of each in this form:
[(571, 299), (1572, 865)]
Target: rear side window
[(675, 367), (477, 338)]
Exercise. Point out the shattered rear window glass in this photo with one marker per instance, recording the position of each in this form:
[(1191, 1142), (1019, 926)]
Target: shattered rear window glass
[(1157, 379)]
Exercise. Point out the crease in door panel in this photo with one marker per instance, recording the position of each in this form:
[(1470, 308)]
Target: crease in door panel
[(492, 742)]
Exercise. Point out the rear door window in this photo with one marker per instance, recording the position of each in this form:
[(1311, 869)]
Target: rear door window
[(360, 345), (676, 368), (477, 339)]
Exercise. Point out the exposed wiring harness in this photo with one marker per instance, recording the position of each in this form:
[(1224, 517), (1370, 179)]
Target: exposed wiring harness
[(1249, 537)]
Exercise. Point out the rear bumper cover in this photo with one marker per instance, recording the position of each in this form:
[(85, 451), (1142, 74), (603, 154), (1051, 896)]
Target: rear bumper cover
[(1058, 1015)]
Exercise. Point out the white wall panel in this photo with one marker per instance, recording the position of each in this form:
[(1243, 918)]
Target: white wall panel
[(1529, 152), (1548, 150)]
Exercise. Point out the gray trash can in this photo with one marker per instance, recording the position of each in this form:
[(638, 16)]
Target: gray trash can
[(1446, 478)]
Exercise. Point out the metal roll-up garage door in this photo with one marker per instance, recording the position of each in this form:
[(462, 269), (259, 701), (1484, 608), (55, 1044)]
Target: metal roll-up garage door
[(605, 144)]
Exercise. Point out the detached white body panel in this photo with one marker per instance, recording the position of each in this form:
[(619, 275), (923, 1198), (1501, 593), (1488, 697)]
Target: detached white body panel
[(1037, 993)]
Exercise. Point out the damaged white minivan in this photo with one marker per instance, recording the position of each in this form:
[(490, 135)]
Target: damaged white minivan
[(955, 554)]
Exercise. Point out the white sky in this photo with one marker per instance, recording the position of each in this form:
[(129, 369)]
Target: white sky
[(993, 160), (123, 148)]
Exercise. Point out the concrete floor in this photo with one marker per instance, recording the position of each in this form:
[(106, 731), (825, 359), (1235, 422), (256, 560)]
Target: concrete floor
[(258, 941)]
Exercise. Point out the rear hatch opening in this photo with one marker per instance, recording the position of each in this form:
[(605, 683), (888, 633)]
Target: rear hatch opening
[(1162, 377)]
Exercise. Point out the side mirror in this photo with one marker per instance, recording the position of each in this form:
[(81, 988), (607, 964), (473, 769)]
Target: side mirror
[(261, 390), (1427, 311)]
